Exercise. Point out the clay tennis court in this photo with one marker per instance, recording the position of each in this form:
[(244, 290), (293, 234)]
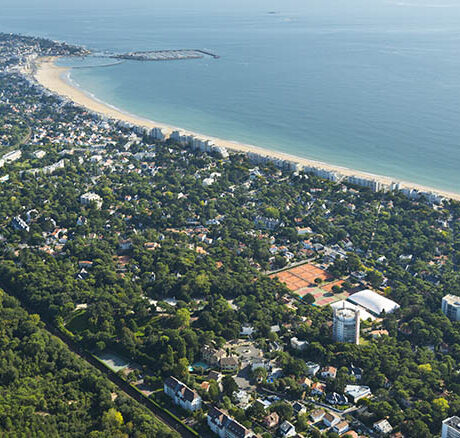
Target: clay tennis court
[(301, 276), (328, 287), (301, 280)]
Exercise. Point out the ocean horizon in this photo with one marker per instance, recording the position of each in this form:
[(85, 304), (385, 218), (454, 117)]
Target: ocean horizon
[(374, 92)]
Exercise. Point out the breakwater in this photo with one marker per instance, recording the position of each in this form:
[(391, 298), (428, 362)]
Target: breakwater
[(165, 55)]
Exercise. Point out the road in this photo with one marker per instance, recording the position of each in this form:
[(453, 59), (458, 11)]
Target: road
[(119, 382), (123, 385)]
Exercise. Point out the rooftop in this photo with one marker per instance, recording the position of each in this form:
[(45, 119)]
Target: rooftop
[(345, 313), (453, 300), (372, 301), (453, 422), (363, 314)]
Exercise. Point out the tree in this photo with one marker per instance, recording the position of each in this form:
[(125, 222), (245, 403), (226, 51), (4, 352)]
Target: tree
[(272, 212), (302, 422), (375, 278), (417, 429), (229, 386), (181, 368), (112, 419), (280, 261), (182, 317), (256, 410), (259, 374), (336, 289), (425, 368), (284, 410), (440, 406), (213, 390), (354, 262)]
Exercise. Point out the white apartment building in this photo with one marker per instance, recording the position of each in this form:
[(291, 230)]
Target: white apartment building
[(298, 345), (322, 173), (157, 134), (451, 428), (182, 395), (226, 427), (346, 325), (450, 306), (12, 156), (372, 184), (91, 198)]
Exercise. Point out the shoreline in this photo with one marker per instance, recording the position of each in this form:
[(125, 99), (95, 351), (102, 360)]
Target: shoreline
[(52, 77)]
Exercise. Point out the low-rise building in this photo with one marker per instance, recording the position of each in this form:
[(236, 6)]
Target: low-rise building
[(351, 434), (265, 222), (211, 355), (330, 419), (91, 199), (287, 429), (375, 334), (299, 408), (312, 368), (242, 398), (182, 395), (305, 382), (317, 415), (19, 224), (383, 426), (341, 427), (271, 420), (333, 398), (296, 344), (12, 156), (373, 302), (357, 392), (355, 372), (226, 427), (39, 154), (318, 388), (246, 331), (229, 364), (126, 244), (328, 372)]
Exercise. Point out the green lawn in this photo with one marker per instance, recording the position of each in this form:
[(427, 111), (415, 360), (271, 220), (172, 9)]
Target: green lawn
[(79, 322)]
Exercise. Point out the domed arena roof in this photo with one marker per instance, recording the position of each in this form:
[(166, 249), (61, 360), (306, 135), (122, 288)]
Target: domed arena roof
[(373, 302)]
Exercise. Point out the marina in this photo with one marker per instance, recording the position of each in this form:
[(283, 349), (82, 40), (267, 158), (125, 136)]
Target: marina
[(166, 55)]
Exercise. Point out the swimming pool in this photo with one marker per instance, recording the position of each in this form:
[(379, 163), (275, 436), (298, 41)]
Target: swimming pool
[(196, 365)]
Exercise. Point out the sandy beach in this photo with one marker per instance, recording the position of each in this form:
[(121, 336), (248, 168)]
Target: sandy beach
[(53, 78)]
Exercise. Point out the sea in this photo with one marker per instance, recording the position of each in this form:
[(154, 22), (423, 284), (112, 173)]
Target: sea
[(372, 85)]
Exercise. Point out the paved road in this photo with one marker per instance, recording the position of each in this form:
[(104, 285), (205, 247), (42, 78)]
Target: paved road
[(123, 385)]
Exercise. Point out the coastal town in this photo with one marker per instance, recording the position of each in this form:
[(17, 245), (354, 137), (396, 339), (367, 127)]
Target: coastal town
[(245, 295)]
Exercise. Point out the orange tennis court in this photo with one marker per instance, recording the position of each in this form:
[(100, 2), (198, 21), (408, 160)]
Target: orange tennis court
[(301, 276)]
